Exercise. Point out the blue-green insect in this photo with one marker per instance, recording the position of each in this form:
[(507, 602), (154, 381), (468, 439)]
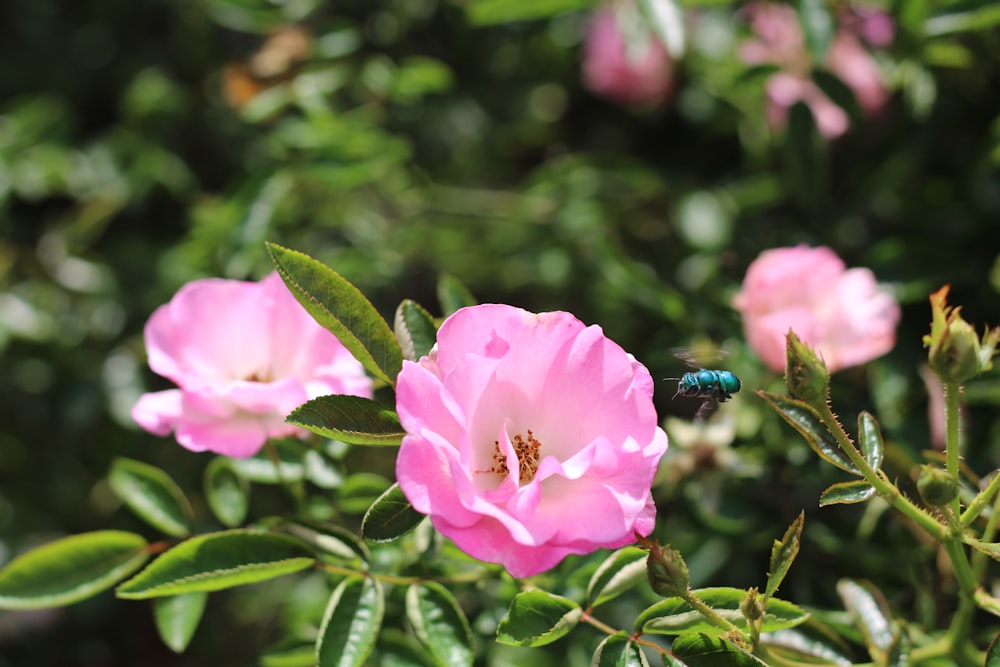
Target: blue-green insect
[(711, 385)]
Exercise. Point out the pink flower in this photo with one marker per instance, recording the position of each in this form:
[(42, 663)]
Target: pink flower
[(840, 312), (780, 41), (529, 438), (243, 356), (623, 60)]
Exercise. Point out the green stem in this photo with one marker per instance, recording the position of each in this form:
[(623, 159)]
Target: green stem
[(295, 489), (708, 612), (980, 559), (952, 393), (980, 502)]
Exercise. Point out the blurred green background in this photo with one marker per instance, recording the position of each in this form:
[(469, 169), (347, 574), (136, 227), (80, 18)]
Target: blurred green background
[(146, 144)]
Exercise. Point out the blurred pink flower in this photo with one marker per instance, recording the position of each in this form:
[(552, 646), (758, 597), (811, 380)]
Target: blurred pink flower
[(623, 60), (838, 311), (529, 438), (243, 355), (780, 41)]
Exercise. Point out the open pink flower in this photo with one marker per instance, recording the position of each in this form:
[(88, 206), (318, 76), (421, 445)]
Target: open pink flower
[(623, 60), (243, 356), (838, 311), (529, 438)]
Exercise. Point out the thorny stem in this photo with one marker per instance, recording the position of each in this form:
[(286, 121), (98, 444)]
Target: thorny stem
[(710, 614), (979, 503), (952, 393)]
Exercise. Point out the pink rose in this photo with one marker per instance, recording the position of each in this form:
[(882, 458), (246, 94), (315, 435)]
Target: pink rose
[(529, 438), (634, 70), (840, 312), (243, 355)]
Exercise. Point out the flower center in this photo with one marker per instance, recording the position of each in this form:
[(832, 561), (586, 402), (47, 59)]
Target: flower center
[(259, 377), (528, 453)]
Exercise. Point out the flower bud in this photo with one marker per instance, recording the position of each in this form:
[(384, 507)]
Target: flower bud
[(751, 605), (956, 353), (667, 572), (805, 373), (936, 486)]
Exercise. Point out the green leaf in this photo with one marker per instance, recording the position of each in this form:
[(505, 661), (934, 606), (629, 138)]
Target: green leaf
[(227, 494), (390, 517), (817, 26), (846, 493), (415, 330), (177, 618), (302, 655), (804, 419), (219, 560), (870, 439), (808, 643), (870, 612), (397, 649), (702, 650), (70, 569), (341, 309), (619, 572), (619, 650), (666, 18), (783, 553), (491, 12), (351, 419), (536, 618), (439, 624), (360, 491), (329, 538), (674, 616), (453, 295), (260, 467), (963, 17), (152, 495), (993, 653), (351, 623)]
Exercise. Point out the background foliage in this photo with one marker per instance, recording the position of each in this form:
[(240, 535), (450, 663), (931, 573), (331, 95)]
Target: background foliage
[(146, 144)]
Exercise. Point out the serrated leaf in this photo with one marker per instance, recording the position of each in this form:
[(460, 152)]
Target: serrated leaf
[(260, 467), (674, 616), (227, 494), (803, 418), (491, 12), (846, 493), (390, 517), (152, 495), (219, 560), (619, 650), (536, 618), (177, 618), (439, 624), (870, 612), (328, 538), (70, 569), (351, 419), (453, 295), (870, 439), (351, 623), (803, 644), (783, 553), (415, 330), (619, 572), (702, 650), (341, 309)]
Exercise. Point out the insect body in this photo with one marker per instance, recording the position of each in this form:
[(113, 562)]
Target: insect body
[(704, 383)]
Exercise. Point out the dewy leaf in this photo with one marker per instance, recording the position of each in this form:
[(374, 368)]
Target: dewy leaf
[(439, 624), (870, 439), (702, 650), (619, 650), (453, 295), (870, 612), (490, 12), (152, 495), (351, 623), (351, 419), (783, 553), (177, 618), (390, 517), (70, 569), (536, 618), (227, 493), (804, 419), (219, 560), (618, 573), (674, 616), (846, 493), (341, 309), (415, 330)]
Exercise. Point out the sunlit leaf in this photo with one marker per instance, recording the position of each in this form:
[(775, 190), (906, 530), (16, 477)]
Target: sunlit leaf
[(177, 618), (666, 17), (329, 538), (439, 624), (227, 494), (619, 650), (351, 623), (702, 650), (415, 330), (262, 468), (489, 12), (342, 309), (453, 295), (536, 618), (619, 572), (152, 495), (390, 517), (806, 644), (783, 553), (870, 612), (870, 440), (674, 616), (846, 493), (963, 17), (351, 419), (219, 560), (70, 569), (804, 419)]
